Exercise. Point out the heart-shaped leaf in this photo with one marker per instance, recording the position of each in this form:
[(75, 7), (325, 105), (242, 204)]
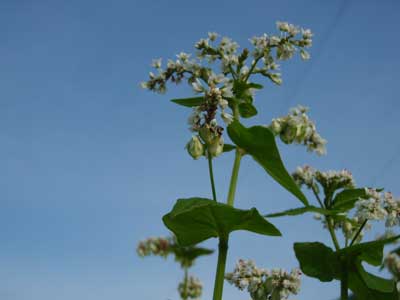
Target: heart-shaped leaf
[(189, 102), (194, 220), (317, 260), (259, 142)]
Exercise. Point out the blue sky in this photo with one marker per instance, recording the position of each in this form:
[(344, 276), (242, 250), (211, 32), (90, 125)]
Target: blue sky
[(90, 162)]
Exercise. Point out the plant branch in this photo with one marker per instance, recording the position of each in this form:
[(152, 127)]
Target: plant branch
[(358, 232), (234, 178), (185, 285), (210, 170), (317, 196), (332, 232)]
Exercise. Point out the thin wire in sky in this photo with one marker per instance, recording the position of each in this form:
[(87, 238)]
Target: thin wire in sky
[(309, 67)]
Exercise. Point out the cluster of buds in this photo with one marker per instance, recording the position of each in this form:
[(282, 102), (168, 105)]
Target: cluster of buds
[(297, 128), (263, 284), (191, 288), (330, 180), (335, 180), (158, 246)]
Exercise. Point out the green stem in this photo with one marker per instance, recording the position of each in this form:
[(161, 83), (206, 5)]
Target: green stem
[(210, 170), (358, 232), (332, 232), (317, 196), (223, 242), (344, 283), (234, 178), (185, 295), (220, 274)]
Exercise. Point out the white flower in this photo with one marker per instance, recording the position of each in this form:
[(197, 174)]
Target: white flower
[(197, 86), (304, 55), (156, 63), (227, 118), (183, 56), (212, 36), (371, 208), (307, 34)]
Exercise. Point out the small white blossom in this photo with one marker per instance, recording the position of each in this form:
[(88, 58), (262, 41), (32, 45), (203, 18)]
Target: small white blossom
[(227, 118), (212, 36), (197, 86), (371, 208), (156, 63)]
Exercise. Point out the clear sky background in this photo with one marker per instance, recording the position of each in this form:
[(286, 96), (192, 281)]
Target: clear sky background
[(89, 162)]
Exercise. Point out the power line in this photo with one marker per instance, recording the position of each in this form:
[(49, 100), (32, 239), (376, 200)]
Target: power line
[(309, 67)]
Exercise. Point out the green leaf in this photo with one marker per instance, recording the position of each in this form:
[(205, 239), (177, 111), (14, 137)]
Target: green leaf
[(317, 260), (189, 102), (370, 252), (253, 85), (370, 287), (194, 220), (259, 142), (191, 253), (228, 147), (346, 199), (300, 211), (247, 110)]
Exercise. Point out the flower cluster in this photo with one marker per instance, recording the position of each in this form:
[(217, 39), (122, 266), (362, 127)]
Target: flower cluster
[(330, 180), (370, 208), (297, 128), (190, 289), (392, 207), (263, 284), (335, 180), (379, 206), (304, 176), (159, 246)]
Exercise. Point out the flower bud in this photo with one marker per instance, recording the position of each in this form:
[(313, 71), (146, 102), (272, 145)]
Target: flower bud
[(216, 147), (206, 134), (288, 135), (195, 148), (275, 126)]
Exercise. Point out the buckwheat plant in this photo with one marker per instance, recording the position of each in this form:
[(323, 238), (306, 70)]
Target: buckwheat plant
[(190, 287), (225, 80), (342, 206)]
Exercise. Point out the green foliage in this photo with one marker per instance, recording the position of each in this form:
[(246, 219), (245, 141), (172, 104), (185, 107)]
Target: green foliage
[(319, 261), (187, 255), (194, 220), (189, 102), (229, 147), (302, 210), (346, 199), (259, 142), (247, 110)]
